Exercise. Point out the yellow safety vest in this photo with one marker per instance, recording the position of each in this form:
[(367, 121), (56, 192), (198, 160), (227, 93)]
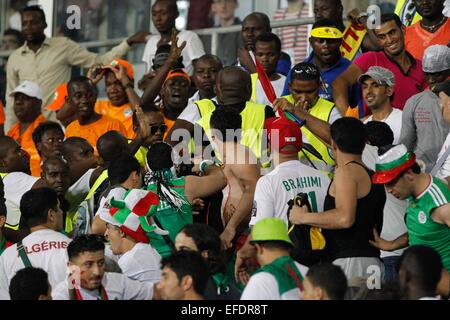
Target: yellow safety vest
[(16, 227), (71, 217), (3, 175), (321, 110), (254, 77), (253, 117), (402, 10)]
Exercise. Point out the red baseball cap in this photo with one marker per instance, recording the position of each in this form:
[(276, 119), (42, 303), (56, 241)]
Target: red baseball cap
[(288, 133)]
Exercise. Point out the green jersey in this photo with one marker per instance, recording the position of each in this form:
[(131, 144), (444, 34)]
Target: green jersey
[(169, 218), (422, 230)]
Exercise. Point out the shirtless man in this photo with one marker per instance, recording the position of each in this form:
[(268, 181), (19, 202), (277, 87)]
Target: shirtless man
[(241, 168)]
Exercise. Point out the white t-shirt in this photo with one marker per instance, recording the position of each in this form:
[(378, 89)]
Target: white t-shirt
[(191, 113), (275, 189), (16, 184), (193, 50), (117, 286), (444, 170), (46, 249), (141, 263), (394, 209), (277, 85), (79, 190), (264, 286), (394, 120)]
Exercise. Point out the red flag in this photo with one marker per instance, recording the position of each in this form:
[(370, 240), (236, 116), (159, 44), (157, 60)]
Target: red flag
[(265, 83)]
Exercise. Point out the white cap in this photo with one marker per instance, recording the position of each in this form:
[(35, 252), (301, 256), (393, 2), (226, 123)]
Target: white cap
[(436, 58), (30, 89)]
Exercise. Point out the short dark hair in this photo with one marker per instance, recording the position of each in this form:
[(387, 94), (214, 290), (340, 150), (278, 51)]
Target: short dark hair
[(34, 8), (325, 22), (146, 108), (85, 243), (386, 17), (159, 156), (79, 80), (111, 145), (208, 56), (349, 135), (379, 133), (424, 265), (66, 147), (188, 263), (44, 127), (35, 204), (269, 37), (17, 34), (264, 18), (172, 4), (305, 71), (330, 278), (28, 284), (206, 238), (120, 168), (224, 119)]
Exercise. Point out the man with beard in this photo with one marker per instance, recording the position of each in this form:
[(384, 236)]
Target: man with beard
[(27, 108), (89, 124), (378, 90), (406, 69), (88, 279)]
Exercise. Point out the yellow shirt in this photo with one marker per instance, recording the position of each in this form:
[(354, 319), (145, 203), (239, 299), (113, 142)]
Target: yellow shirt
[(123, 113)]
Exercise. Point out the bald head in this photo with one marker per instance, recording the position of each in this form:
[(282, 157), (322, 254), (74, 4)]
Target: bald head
[(262, 18), (111, 145), (234, 86), (72, 145)]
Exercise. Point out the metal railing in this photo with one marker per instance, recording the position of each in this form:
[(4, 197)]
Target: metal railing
[(213, 32)]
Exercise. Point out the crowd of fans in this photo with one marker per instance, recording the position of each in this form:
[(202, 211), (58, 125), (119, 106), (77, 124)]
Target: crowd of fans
[(264, 173)]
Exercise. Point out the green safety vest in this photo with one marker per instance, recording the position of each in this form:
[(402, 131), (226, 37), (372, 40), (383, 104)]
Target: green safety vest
[(286, 273), (253, 117), (169, 218), (321, 110)]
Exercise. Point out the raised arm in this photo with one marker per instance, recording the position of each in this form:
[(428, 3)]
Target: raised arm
[(342, 83), (152, 90)]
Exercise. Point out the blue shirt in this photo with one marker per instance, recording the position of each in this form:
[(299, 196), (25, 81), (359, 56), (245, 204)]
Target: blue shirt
[(328, 76)]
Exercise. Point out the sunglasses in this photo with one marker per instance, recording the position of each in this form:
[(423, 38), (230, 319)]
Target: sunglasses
[(154, 128), (308, 70)]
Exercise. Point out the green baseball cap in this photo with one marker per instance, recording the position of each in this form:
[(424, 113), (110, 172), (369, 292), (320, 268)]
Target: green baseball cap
[(271, 229)]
